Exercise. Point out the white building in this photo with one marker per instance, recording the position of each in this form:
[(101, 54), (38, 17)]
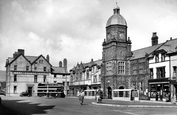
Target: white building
[(32, 74), (163, 68)]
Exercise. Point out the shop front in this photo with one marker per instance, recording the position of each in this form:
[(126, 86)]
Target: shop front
[(159, 89)]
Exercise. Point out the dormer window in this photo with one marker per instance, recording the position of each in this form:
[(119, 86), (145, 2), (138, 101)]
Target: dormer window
[(163, 57), (157, 58)]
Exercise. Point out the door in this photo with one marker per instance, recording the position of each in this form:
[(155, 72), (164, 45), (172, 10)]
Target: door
[(30, 90), (109, 93)]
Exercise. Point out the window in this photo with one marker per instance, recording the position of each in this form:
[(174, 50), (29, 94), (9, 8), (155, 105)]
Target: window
[(151, 73), (35, 68), (44, 78), (87, 74), (41, 61), (55, 81), (94, 78), (44, 68), (15, 89), (121, 68), (174, 71), (15, 67), (27, 68), (35, 78), (163, 57), (140, 86), (156, 58), (15, 78), (55, 75), (160, 72)]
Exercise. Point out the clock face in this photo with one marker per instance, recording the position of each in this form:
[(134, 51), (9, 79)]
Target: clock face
[(122, 36)]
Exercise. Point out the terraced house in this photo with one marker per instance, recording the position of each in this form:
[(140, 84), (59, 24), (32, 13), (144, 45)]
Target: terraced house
[(85, 76)]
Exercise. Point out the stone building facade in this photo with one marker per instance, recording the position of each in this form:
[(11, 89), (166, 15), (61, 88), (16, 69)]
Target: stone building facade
[(123, 68)]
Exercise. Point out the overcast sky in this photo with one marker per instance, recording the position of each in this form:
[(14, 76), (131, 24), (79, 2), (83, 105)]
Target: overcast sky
[(75, 29)]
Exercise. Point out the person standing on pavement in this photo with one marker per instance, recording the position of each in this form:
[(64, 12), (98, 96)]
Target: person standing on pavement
[(81, 96)]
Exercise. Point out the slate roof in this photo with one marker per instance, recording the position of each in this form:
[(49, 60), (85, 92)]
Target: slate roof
[(85, 65), (59, 70), (169, 46)]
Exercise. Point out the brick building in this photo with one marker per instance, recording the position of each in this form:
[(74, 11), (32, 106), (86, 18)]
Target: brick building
[(123, 68)]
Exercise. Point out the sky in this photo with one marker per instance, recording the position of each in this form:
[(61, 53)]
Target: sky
[(75, 29)]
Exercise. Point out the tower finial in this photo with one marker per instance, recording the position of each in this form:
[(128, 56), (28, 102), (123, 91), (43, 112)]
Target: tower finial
[(116, 9)]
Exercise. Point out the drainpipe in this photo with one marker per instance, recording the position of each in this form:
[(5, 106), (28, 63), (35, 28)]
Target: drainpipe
[(170, 77)]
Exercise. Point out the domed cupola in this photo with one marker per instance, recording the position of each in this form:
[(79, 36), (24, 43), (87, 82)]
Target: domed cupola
[(116, 18)]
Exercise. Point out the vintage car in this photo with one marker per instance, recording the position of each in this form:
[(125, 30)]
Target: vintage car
[(25, 94)]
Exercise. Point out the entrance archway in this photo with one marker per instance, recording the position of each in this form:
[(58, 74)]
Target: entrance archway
[(109, 92), (121, 93)]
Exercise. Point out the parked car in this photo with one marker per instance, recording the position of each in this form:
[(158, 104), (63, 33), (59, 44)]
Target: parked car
[(2, 92), (25, 94)]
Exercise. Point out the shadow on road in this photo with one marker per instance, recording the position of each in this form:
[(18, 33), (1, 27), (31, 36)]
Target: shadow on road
[(13, 107)]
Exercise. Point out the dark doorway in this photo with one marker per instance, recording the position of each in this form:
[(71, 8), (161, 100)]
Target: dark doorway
[(30, 90), (109, 93), (121, 93)]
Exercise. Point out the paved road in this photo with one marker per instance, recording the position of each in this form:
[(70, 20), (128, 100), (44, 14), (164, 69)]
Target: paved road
[(71, 106)]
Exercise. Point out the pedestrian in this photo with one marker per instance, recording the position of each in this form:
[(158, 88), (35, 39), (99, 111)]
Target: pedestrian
[(99, 95), (81, 96)]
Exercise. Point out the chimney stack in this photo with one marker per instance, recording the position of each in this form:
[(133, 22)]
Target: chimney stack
[(65, 63), (47, 57), (154, 39), (60, 64)]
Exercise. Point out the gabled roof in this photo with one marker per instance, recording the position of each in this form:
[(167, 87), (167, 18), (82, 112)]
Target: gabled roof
[(87, 65), (31, 58), (17, 58), (169, 46), (40, 57)]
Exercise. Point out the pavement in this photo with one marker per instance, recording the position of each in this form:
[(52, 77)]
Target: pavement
[(138, 104)]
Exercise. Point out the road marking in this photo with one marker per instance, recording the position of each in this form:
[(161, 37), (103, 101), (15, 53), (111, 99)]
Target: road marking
[(125, 112)]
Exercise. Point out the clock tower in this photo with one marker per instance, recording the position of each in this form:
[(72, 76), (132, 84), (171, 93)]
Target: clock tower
[(116, 54)]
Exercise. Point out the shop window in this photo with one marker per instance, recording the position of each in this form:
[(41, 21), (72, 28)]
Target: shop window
[(160, 72)]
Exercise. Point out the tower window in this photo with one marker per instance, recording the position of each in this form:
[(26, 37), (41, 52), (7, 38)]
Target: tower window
[(121, 67)]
